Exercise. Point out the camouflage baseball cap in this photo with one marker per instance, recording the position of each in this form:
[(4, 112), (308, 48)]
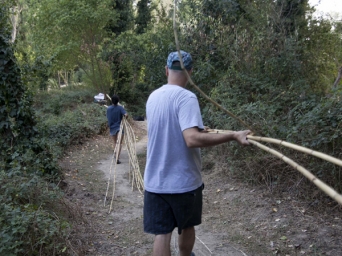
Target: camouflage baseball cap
[(173, 56)]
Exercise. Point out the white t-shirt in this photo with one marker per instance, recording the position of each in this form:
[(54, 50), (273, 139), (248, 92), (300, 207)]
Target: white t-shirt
[(172, 167)]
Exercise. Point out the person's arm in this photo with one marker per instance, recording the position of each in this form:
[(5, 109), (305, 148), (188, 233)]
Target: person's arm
[(197, 139), (123, 112)]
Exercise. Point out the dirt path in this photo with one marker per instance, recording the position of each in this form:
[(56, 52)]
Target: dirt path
[(238, 219)]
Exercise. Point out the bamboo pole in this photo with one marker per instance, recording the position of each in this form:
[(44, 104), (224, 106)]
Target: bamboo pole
[(289, 145), (131, 149), (218, 131), (110, 169), (108, 182), (118, 143), (192, 83), (109, 97), (135, 162), (320, 184), (299, 148)]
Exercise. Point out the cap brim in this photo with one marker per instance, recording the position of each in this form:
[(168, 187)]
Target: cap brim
[(178, 68)]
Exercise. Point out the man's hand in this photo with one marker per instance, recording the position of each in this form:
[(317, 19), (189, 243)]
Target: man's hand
[(241, 137)]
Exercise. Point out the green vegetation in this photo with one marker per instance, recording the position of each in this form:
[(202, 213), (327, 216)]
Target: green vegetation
[(66, 118), (34, 216), (143, 17), (272, 63)]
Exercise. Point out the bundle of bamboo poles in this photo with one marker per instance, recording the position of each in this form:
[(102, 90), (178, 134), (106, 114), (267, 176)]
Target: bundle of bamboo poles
[(134, 170), (114, 161), (320, 184), (135, 174)]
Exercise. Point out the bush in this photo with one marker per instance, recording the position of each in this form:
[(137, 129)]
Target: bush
[(57, 101), (35, 219), (30, 217), (313, 122), (72, 127)]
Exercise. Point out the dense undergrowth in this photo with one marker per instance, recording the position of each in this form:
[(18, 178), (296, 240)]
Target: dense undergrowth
[(68, 116), (314, 123), (35, 217)]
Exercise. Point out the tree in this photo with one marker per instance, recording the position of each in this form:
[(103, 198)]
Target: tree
[(138, 60), (143, 16), (19, 136), (71, 33), (293, 15), (15, 19), (125, 19)]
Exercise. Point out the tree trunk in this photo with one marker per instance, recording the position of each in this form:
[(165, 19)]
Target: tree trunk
[(64, 77), (15, 22), (338, 79)]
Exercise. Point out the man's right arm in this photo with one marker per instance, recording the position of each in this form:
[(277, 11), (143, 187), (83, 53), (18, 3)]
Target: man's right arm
[(196, 139)]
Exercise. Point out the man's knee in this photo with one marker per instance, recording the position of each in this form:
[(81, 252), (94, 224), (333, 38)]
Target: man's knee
[(164, 238), (190, 231), (187, 239), (162, 244)]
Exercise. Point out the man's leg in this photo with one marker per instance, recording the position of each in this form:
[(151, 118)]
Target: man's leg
[(161, 246), (115, 137), (122, 135), (186, 241)]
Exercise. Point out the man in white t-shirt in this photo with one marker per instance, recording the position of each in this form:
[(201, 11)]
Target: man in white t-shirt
[(172, 179)]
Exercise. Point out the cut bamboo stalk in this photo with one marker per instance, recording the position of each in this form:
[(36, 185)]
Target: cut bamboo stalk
[(218, 131), (110, 172), (108, 182), (320, 184), (299, 148), (109, 97), (289, 145), (118, 142), (131, 149)]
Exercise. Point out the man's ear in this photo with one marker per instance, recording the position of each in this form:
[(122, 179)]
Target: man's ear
[(190, 71), (166, 71)]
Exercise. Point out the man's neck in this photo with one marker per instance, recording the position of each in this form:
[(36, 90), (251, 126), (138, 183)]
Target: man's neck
[(179, 82)]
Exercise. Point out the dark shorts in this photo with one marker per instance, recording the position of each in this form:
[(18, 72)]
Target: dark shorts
[(164, 212), (115, 132)]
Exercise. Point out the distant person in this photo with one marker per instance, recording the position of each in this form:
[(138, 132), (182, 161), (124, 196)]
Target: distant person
[(115, 113), (172, 178)]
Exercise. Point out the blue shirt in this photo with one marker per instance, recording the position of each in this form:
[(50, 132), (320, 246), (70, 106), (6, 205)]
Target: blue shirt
[(172, 167), (114, 117)]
